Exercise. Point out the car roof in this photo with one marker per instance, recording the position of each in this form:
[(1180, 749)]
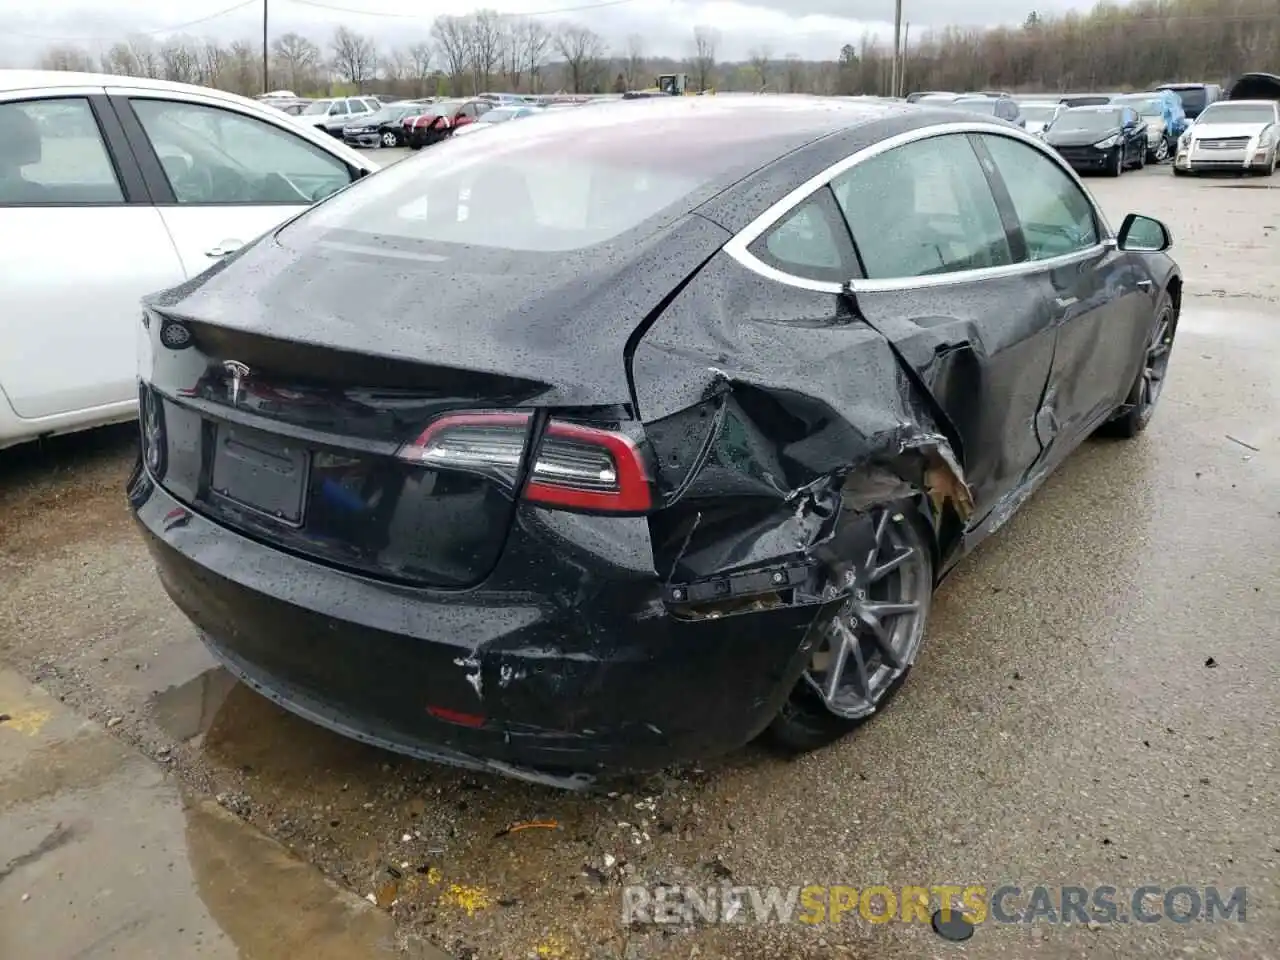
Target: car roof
[(770, 121), (1039, 103), (1096, 108), (1243, 103)]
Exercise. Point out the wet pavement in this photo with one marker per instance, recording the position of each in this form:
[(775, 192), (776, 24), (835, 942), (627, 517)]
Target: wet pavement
[(103, 854), (1097, 702)]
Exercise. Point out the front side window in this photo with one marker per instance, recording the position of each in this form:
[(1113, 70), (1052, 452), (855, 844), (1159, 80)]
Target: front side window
[(216, 156), (51, 151), (922, 209), (1056, 217)]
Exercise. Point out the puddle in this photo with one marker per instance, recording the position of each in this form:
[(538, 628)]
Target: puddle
[(187, 710)]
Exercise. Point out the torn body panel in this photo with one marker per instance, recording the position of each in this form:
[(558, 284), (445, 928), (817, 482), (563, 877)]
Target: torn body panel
[(772, 435)]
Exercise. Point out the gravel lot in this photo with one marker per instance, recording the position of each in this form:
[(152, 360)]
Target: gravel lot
[(1063, 725)]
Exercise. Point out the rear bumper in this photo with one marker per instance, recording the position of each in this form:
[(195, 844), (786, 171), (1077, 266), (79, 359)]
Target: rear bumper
[(592, 674)]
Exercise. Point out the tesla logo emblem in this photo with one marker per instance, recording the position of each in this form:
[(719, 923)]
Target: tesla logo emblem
[(238, 373)]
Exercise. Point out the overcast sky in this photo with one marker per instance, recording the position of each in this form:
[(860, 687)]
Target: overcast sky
[(813, 29)]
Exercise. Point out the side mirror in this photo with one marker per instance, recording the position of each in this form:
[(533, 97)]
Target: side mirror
[(1141, 234)]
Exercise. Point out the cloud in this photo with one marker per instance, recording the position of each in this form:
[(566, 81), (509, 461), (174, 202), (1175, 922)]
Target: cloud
[(812, 29)]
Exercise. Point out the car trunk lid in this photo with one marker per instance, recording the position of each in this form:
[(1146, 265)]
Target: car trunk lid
[(281, 397)]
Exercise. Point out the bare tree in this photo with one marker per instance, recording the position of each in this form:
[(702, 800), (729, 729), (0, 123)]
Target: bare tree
[(633, 63), (420, 67), (245, 68), (583, 51), (794, 73), (761, 66), (179, 61), (452, 35), (297, 59), (355, 57), (145, 56), (65, 56), (213, 65), (513, 51), (705, 40), (535, 45), (486, 29)]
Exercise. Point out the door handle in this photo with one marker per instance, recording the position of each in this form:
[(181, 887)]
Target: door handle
[(1145, 284), (1063, 302), (222, 249)]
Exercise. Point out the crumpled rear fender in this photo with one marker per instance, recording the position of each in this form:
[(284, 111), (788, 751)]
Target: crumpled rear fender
[(773, 436)]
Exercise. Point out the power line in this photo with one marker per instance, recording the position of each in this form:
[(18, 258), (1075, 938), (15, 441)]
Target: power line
[(145, 33), (581, 8)]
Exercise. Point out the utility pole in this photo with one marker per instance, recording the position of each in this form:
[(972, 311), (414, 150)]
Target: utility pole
[(902, 59), (266, 88), (897, 47)]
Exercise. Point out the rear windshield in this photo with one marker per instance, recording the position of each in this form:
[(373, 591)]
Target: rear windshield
[(573, 180), (976, 106), (1193, 98), (1239, 113), (1038, 113)]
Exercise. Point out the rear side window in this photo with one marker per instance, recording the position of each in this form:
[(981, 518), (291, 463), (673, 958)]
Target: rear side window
[(922, 209), (51, 151), (810, 242)]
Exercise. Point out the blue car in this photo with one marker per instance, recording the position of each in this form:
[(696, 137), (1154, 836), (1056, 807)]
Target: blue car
[(1162, 112)]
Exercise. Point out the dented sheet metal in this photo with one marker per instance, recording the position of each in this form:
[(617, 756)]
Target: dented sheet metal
[(774, 432)]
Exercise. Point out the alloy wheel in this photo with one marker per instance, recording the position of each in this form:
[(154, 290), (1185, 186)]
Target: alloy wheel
[(1162, 150), (874, 638), (389, 139), (1156, 363)]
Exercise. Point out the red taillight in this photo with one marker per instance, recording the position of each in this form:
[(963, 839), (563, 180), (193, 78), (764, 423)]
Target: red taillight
[(576, 467), (587, 468)]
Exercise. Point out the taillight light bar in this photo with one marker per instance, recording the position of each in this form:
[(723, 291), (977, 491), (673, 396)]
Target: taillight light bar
[(575, 466)]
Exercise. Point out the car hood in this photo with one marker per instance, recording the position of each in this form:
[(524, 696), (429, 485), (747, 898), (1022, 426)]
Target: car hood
[(562, 321), (1214, 131), (1078, 138), (1035, 126)]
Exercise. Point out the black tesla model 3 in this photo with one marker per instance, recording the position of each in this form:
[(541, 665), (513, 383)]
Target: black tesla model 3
[(571, 450)]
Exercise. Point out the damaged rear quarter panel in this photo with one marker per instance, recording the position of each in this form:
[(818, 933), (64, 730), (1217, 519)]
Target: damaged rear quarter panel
[(777, 417)]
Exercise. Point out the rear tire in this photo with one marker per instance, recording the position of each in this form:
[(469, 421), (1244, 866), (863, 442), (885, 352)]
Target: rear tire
[(864, 653)]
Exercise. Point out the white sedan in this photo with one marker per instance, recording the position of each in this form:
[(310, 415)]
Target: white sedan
[(115, 187)]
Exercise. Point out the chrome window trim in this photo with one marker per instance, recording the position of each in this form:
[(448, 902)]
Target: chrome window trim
[(737, 246)]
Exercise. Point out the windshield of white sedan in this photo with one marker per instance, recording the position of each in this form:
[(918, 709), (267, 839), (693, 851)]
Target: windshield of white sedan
[(1239, 113), (1035, 113), (1145, 108), (1087, 121)]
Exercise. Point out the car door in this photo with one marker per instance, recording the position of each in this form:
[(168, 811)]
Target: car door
[(80, 244), (945, 284), (1099, 299), (222, 177)]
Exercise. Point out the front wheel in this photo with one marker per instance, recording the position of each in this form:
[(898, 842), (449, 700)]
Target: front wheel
[(1117, 163), (1161, 153), (863, 654), (1140, 404), (389, 139)]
